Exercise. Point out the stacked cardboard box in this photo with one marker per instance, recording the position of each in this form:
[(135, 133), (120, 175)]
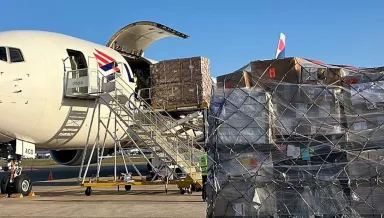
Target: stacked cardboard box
[(242, 183), (293, 70), (241, 127), (366, 172), (240, 122), (243, 116), (364, 108), (185, 81), (307, 110)]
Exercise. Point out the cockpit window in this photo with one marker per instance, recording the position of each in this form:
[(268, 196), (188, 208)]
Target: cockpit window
[(3, 54), (15, 55)]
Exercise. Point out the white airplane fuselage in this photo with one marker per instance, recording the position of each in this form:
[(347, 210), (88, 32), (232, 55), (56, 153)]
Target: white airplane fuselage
[(32, 103)]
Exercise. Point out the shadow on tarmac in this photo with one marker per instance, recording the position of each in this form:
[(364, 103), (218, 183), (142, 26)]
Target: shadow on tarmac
[(122, 192), (40, 175)]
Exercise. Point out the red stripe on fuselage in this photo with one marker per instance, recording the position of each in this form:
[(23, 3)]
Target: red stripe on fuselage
[(101, 59), (105, 56)]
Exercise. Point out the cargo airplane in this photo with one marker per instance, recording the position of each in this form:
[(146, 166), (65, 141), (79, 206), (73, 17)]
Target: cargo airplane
[(35, 111)]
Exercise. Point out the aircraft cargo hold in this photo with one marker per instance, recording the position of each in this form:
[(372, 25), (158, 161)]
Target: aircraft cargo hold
[(181, 82), (298, 148)]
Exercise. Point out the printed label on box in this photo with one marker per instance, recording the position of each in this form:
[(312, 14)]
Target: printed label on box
[(305, 154), (293, 151), (360, 126)]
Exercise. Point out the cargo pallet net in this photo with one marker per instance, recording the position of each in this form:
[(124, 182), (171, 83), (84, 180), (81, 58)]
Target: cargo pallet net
[(298, 141)]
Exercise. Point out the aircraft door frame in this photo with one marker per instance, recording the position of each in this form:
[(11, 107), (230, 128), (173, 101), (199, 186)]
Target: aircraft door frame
[(75, 73)]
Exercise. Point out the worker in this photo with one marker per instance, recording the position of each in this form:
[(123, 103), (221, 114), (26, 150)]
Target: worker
[(203, 165)]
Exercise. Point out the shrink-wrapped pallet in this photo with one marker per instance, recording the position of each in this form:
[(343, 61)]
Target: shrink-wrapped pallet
[(364, 108), (293, 70), (181, 82), (320, 154), (243, 116), (366, 173), (307, 110), (233, 195)]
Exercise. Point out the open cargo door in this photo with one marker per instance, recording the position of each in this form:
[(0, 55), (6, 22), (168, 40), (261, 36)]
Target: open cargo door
[(131, 42), (134, 38)]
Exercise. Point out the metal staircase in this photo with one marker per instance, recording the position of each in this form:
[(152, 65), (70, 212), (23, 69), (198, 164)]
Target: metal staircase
[(144, 127), (151, 129)]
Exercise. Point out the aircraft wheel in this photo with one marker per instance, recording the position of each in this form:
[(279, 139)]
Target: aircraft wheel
[(23, 184), (128, 187), (4, 184), (88, 191)]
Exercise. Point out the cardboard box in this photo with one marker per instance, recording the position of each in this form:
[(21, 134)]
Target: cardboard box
[(307, 110), (181, 81), (265, 73), (363, 101), (178, 95), (243, 116), (365, 172), (241, 198)]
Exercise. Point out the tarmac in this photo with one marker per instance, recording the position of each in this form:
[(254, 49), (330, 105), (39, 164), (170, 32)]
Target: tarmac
[(63, 197)]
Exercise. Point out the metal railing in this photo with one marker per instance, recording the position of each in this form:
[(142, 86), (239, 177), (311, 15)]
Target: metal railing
[(180, 150), (156, 119)]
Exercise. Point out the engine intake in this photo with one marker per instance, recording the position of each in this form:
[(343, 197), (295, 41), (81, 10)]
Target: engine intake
[(72, 157)]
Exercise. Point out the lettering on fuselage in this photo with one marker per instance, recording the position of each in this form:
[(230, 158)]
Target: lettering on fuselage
[(29, 151)]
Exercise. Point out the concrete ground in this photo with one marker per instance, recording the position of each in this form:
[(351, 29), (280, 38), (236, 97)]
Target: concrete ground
[(63, 197)]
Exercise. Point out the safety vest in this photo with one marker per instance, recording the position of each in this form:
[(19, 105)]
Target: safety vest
[(203, 163)]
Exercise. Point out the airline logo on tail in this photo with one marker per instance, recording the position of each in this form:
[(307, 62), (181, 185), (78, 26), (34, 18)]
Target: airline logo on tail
[(280, 51)]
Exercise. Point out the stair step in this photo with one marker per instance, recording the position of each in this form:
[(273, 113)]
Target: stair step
[(150, 127)]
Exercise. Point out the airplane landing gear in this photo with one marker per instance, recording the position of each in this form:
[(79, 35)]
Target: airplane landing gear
[(16, 181), (23, 184)]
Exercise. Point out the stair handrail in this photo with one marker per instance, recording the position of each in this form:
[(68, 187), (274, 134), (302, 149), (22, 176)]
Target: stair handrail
[(155, 114)]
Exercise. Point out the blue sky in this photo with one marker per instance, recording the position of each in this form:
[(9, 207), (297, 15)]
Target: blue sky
[(229, 33)]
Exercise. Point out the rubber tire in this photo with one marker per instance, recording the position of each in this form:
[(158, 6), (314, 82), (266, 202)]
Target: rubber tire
[(3, 185), (195, 188), (182, 191), (21, 181), (128, 187), (88, 191)]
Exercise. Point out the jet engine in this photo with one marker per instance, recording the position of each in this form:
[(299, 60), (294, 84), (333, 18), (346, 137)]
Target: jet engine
[(73, 157)]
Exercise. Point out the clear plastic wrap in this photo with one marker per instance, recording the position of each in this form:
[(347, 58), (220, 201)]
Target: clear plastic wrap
[(283, 149), (242, 116), (306, 110), (364, 104)]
